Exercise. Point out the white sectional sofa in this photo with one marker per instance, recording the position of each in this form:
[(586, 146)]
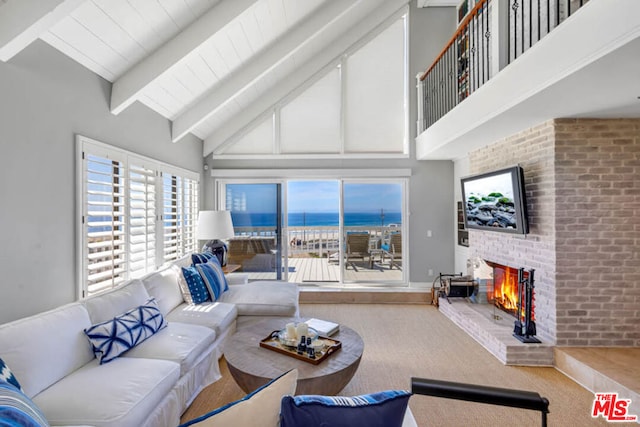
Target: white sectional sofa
[(154, 382)]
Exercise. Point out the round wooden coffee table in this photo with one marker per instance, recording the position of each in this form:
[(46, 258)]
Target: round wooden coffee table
[(253, 366)]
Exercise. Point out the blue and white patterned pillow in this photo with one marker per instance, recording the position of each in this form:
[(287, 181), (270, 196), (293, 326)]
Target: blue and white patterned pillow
[(201, 258), (382, 409), (16, 409), (213, 278), (7, 375), (113, 337), (197, 288)]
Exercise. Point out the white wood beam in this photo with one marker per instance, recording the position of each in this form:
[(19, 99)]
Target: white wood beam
[(23, 21), (260, 64), (127, 88), (382, 10)]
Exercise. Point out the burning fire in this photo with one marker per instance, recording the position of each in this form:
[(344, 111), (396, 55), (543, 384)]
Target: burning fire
[(505, 292)]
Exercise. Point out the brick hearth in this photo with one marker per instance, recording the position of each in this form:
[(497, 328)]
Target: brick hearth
[(496, 336)]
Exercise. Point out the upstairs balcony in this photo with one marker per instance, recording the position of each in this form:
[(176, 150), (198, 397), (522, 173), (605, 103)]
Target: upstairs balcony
[(512, 64)]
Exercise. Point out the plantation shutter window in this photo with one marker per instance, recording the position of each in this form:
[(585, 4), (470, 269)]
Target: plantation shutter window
[(136, 214), (142, 220), (104, 263), (180, 210)]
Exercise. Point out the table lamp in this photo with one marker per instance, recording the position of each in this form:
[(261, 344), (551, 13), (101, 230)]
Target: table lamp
[(214, 226)]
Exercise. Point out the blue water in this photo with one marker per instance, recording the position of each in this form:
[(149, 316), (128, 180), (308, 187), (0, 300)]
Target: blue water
[(316, 219)]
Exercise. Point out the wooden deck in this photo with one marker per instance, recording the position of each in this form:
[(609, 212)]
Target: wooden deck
[(319, 271)]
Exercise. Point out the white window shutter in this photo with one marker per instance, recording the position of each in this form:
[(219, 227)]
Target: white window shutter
[(142, 220), (104, 261)]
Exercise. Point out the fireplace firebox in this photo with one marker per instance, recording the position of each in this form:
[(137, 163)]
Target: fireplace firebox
[(512, 291)]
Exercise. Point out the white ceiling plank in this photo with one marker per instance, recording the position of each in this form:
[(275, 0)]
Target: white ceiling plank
[(238, 39), (22, 21), (258, 66), (131, 84), (131, 21), (77, 56), (276, 10), (251, 27), (265, 22), (90, 45), (381, 10), (90, 15)]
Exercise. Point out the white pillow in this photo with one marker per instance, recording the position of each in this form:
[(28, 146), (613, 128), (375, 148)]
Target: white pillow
[(260, 408)]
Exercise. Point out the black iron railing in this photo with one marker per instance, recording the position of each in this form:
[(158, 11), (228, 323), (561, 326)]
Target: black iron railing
[(492, 35)]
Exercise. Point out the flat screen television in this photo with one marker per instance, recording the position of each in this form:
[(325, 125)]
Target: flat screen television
[(495, 201)]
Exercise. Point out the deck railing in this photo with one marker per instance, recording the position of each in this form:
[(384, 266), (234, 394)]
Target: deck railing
[(315, 240), (492, 35)]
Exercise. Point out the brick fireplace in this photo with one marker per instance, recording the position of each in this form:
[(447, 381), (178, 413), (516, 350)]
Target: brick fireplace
[(582, 179)]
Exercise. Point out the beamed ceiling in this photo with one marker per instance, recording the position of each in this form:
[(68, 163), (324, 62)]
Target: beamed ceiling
[(209, 66)]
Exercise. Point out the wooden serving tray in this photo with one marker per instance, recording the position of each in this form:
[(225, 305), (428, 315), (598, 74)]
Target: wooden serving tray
[(273, 343)]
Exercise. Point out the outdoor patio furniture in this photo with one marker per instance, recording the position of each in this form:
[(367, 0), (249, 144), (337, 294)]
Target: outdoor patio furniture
[(357, 248), (393, 249)]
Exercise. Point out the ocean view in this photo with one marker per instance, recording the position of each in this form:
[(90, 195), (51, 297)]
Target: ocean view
[(317, 219)]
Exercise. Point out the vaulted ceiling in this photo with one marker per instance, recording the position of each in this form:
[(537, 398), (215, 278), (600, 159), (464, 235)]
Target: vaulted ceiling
[(209, 66)]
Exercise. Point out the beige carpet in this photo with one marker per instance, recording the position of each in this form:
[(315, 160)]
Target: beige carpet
[(404, 341)]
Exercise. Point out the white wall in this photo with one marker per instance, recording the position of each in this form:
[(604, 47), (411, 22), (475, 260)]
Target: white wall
[(45, 99)]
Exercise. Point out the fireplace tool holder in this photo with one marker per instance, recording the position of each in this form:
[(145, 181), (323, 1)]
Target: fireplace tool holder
[(525, 331)]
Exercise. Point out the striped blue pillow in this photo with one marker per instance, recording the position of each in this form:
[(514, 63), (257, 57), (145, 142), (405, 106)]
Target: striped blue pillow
[(112, 338), (213, 278), (382, 409), (16, 409), (196, 285), (7, 375)]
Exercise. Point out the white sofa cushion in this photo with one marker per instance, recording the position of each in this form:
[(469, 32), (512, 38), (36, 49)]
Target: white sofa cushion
[(119, 394), (46, 347), (264, 298), (178, 342), (163, 286), (107, 305), (218, 316)]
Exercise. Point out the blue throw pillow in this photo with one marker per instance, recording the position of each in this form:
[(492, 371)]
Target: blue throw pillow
[(113, 337), (7, 375), (201, 258), (213, 278), (196, 285), (16, 409), (383, 409)]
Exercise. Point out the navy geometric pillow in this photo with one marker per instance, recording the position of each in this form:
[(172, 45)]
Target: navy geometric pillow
[(113, 337), (383, 409), (196, 285), (16, 409), (201, 258), (7, 375)]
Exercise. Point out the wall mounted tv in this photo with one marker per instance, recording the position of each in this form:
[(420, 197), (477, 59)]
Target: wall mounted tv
[(495, 201)]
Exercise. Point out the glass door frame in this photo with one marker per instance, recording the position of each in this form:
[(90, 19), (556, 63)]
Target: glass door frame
[(404, 182), (220, 204), (365, 176)]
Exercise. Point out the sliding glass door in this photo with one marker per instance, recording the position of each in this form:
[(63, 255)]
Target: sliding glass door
[(373, 218), (323, 232), (256, 212)]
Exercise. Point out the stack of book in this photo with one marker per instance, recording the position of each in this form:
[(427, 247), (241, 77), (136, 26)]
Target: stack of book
[(324, 327)]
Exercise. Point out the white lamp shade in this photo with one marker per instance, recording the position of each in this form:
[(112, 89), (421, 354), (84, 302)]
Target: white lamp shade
[(214, 225)]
